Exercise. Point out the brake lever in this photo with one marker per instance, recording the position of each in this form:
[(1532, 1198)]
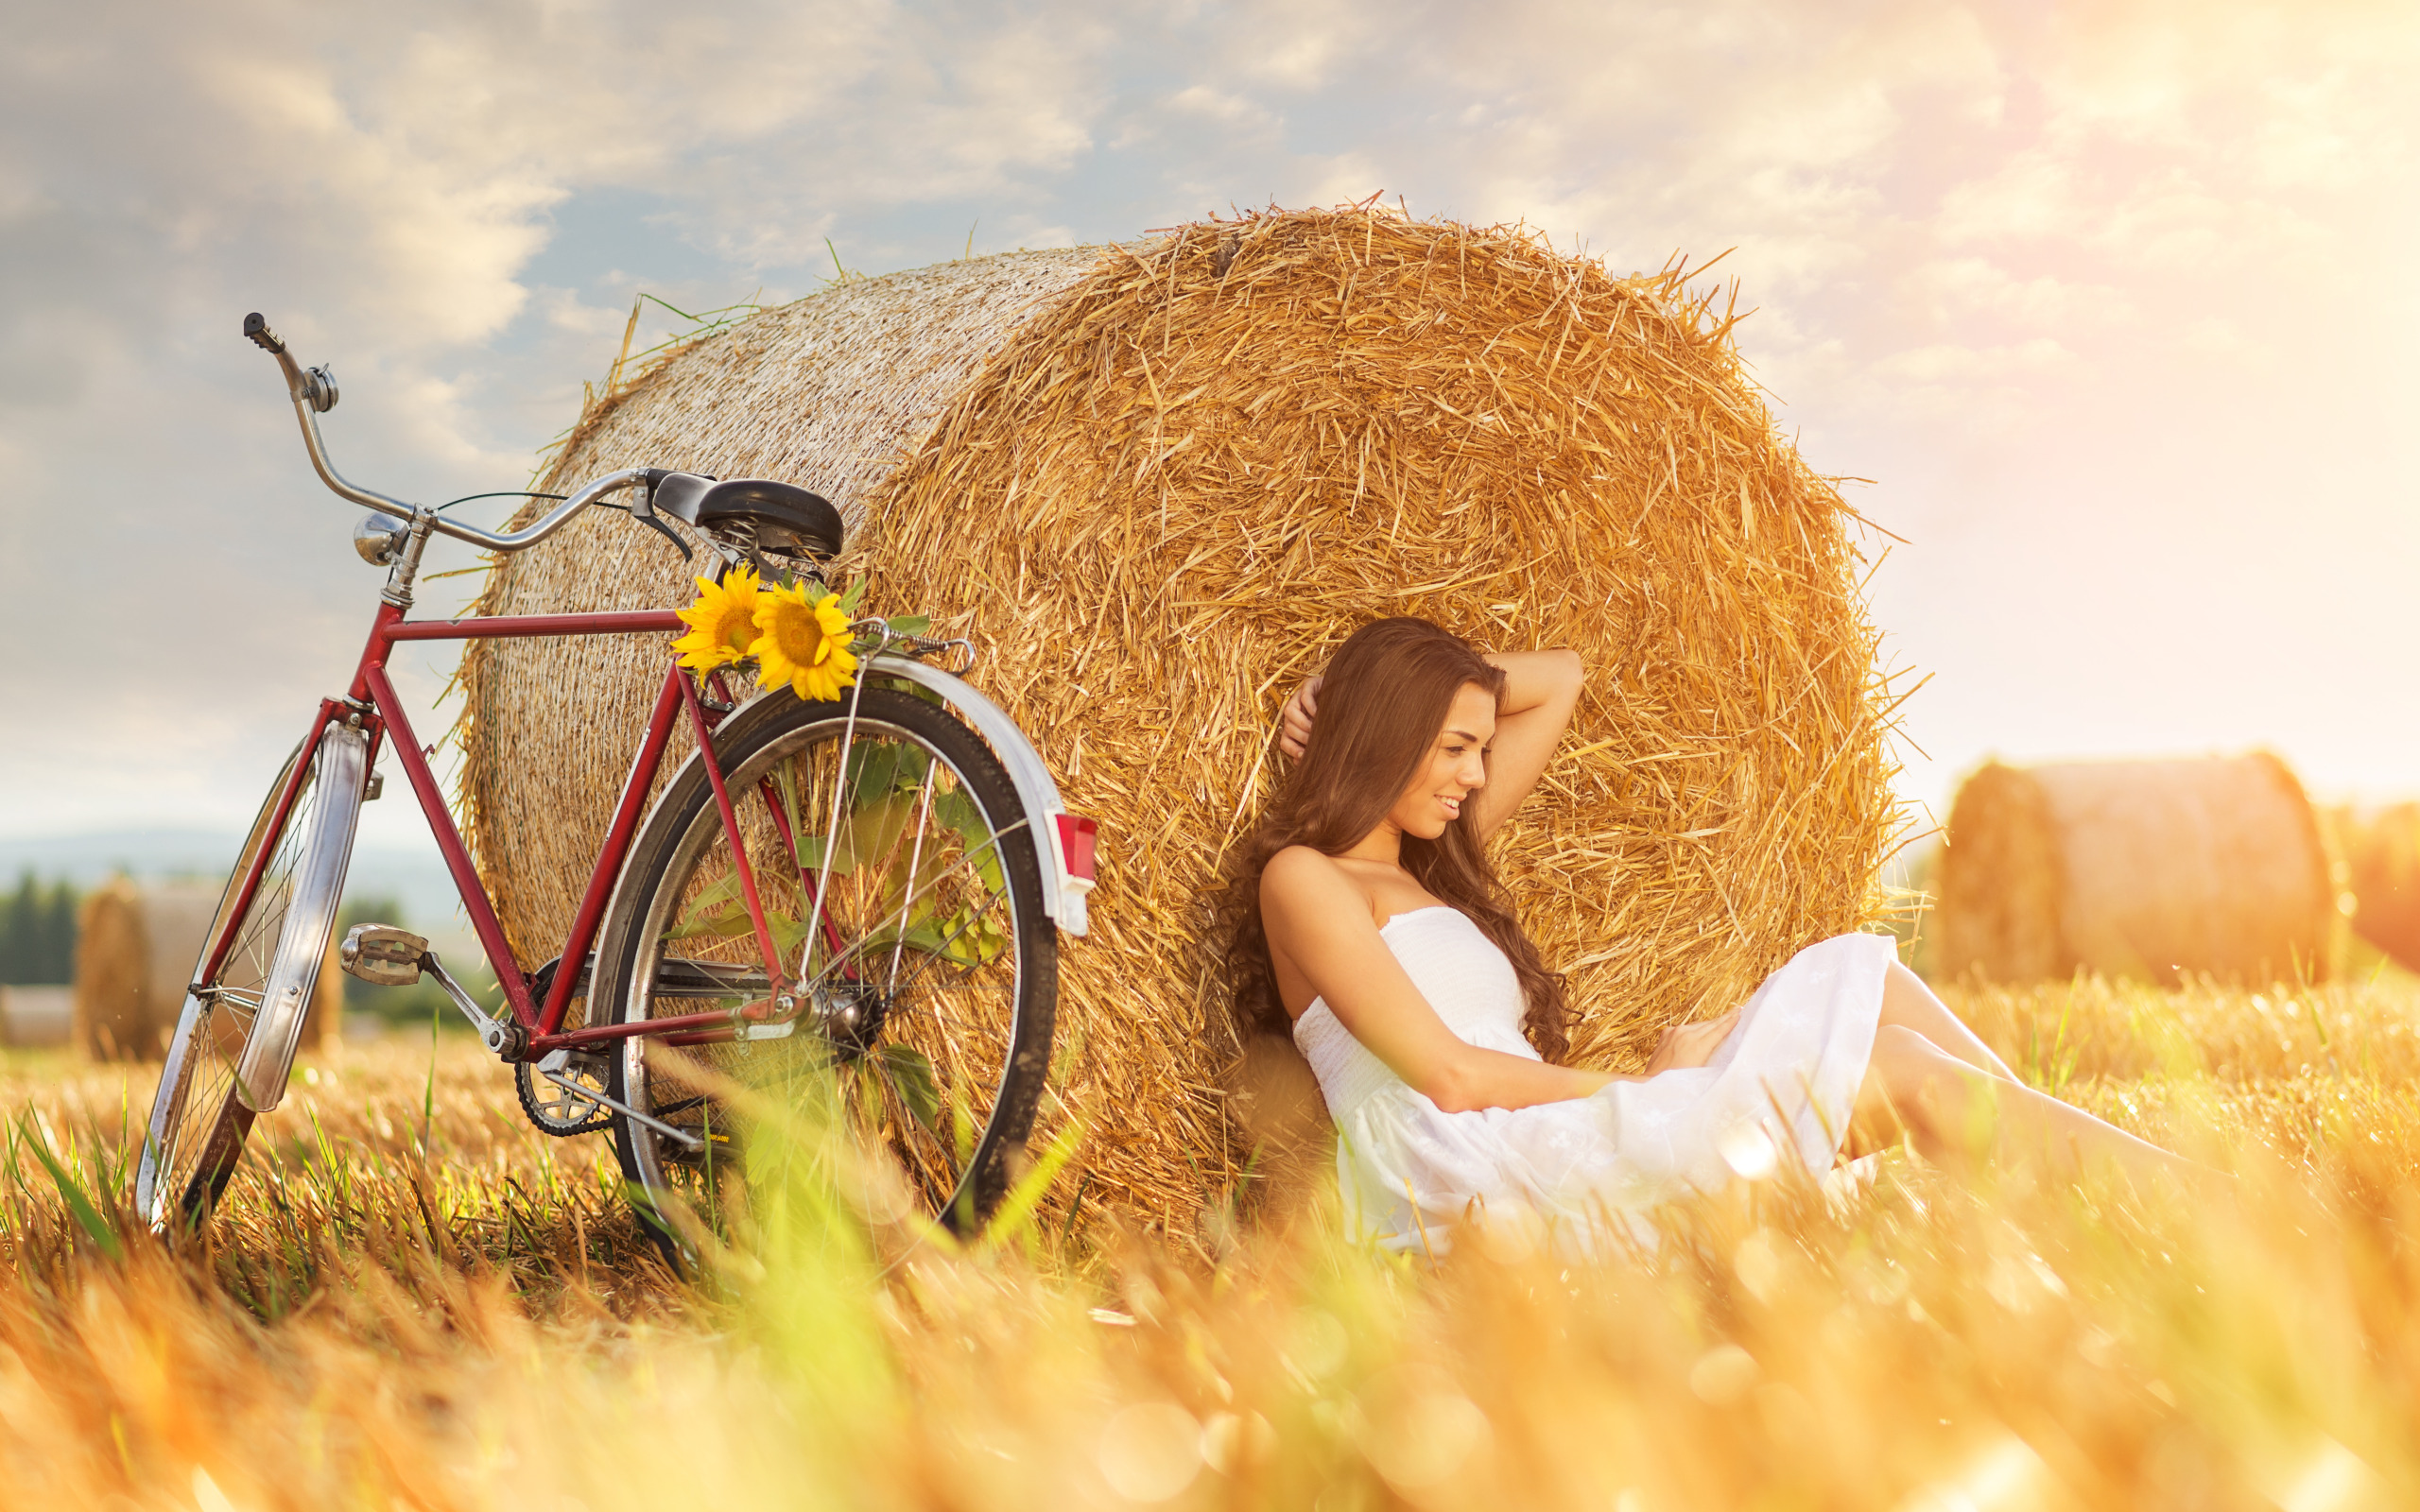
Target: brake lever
[(643, 510)]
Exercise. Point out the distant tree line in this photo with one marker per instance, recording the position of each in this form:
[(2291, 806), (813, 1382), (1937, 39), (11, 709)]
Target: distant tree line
[(37, 932)]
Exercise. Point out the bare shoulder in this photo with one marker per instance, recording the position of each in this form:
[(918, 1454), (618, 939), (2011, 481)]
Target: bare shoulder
[(1299, 880)]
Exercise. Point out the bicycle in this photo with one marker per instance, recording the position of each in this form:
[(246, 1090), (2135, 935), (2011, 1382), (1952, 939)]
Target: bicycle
[(860, 895)]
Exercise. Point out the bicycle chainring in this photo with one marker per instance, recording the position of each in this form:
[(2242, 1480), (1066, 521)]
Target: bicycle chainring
[(558, 1110)]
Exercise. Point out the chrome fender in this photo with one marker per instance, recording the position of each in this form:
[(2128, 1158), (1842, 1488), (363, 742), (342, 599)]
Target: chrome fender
[(1062, 893), (310, 920)]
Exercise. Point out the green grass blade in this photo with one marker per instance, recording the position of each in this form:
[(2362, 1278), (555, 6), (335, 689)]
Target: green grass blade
[(79, 1202)]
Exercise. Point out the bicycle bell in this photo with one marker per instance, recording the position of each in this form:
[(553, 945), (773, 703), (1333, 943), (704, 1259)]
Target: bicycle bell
[(379, 537)]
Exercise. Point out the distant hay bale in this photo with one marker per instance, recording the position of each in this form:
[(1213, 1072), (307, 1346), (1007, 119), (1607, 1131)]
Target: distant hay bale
[(1157, 485), (2382, 863), (34, 1017), (2155, 870), (135, 954)]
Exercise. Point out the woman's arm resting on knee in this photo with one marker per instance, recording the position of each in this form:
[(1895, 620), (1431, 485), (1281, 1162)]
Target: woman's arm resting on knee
[(1318, 925), (1542, 689)]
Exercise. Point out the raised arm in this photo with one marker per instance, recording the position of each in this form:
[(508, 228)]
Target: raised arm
[(1542, 688), (1324, 944)]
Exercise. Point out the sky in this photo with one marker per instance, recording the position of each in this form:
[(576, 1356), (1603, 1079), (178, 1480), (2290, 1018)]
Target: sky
[(2111, 306)]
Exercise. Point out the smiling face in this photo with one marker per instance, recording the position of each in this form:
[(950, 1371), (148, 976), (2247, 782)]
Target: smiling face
[(1456, 768)]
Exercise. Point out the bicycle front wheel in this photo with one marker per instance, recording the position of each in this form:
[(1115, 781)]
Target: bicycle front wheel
[(275, 942), (926, 986)]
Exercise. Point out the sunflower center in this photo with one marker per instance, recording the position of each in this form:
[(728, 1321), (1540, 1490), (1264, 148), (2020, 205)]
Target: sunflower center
[(799, 635)]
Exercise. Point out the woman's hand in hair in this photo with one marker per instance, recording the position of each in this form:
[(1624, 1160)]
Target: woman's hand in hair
[(1294, 723), (1691, 1045)]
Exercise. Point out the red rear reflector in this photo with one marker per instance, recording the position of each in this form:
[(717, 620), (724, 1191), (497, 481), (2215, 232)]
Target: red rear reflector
[(1077, 836)]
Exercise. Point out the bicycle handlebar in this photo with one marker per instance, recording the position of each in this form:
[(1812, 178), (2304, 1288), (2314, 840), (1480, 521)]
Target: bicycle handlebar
[(313, 392)]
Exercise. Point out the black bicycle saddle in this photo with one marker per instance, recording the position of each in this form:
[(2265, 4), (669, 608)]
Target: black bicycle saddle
[(752, 513)]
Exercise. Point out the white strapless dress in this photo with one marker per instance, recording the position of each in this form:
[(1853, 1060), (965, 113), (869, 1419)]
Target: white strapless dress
[(1779, 1088)]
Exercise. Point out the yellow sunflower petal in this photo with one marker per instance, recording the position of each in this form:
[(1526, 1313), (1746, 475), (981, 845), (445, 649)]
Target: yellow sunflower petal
[(803, 645), (722, 623)]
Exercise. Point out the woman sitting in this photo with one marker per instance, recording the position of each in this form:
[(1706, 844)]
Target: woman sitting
[(1367, 924)]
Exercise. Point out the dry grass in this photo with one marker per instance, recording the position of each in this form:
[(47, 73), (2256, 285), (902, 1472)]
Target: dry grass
[(472, 1322), (1165, 490)]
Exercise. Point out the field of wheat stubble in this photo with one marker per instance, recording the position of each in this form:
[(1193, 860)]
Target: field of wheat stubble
[(411, 1300)]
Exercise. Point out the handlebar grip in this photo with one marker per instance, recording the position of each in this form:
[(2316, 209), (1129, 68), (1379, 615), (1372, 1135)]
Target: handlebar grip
[(262, 336)]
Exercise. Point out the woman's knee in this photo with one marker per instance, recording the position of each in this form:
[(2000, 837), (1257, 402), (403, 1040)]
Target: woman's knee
[(1908, 1002), (1893, 1072), (1911, 1066), (1914, 1085)]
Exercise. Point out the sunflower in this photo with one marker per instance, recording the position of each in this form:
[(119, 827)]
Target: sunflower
[(804, 642), (722, 623)]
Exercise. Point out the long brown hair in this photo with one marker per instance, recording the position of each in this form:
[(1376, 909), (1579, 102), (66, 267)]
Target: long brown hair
[(1383, 700)]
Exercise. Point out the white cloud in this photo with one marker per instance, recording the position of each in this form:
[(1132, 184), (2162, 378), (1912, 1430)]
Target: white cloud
[(1993, 247)]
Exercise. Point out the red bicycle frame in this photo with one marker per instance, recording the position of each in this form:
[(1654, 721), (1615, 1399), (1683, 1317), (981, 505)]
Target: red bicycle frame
[(373, 704)]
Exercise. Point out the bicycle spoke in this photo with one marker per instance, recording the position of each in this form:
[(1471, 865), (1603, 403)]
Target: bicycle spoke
[(849, 952), (197, 1128), (911, 967)]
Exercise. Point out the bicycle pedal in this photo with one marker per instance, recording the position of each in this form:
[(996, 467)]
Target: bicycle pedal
[(381, 954)]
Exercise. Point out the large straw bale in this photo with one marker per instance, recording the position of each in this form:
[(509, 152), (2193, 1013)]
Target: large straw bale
[(1163, 493), (826, 392), (2151, 870), (135, 954), (2383, 865)]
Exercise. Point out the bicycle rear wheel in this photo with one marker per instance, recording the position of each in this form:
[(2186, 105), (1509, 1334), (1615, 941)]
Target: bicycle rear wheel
[(927, 986), (275, 944)]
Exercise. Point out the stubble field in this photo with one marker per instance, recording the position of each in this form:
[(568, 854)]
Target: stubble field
[(413, 1300)]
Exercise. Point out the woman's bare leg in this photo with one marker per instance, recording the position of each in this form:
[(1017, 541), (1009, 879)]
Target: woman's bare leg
[(1909, 1004), (1961, 1115)]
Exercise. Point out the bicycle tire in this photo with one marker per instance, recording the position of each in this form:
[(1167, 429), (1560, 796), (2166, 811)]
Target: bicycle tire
[(989, 1022), (195, 1134)]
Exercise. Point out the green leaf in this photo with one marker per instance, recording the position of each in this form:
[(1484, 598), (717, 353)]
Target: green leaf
[(704, 915), (729, 923), (850, 594), (922, 936), (87, 1215), (880, 767), (788, 934), (956, 809), (910, 624), (909, 1072), (979, 939)]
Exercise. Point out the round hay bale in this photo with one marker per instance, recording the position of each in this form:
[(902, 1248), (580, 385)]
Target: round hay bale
[(1157, 484), (2157, 870), (2382, 863), (135, 958), (113, 975)]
